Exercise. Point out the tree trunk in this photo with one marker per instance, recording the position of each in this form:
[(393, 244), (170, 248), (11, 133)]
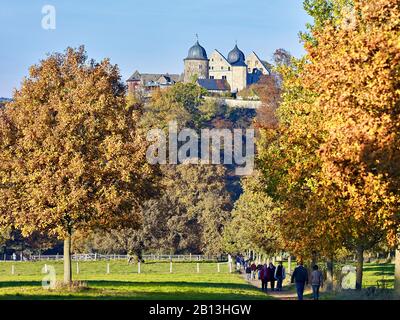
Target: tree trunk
[(313, 260), (329, 275), (359, 266), (397, 272), (67, 260)]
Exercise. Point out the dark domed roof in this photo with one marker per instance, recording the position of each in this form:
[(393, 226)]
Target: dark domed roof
[(197, 52), (236, 56)]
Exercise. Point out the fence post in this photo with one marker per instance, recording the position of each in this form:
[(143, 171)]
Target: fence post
[(95, 256), (198, 268), (77, 267), (290, 264), (230, 267), (138, 267), (190, 257), (45, 268), (12, 269), (218, 267), (108, 268), (170, 267)]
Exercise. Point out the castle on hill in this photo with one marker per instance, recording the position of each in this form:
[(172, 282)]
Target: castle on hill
[(216, 73)]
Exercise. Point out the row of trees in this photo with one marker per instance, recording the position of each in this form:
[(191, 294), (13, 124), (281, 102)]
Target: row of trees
[(328, 156), (71, 154), (73, 164), (194, 201)]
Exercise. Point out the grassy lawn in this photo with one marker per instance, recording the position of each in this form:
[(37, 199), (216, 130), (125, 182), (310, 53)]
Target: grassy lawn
[(379, 276), (123, 282), (156, 282)]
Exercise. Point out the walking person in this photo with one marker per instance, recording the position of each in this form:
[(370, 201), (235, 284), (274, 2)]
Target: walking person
[(237, 262), (248, 272), (253, 270), (280, 275), (317, 282), (259, 268), (271, 275), (242, 262), (300, 278), (263, 278)]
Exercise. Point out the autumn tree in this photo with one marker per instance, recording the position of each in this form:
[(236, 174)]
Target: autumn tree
[(196, 199), (196, 206), (71, 155), (354, 71), (287, 157), (254, 225), (320, 213), (189, 216), (194, 202)]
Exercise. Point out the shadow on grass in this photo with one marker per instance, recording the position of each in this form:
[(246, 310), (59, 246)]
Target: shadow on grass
[(108, 290), (14, 284), (187, 295), (378, 269), (180, 284), (121, 283)]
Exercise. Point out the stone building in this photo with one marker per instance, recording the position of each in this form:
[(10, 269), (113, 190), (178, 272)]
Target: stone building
[(196, 64), (217, 74), (150, 81), (236, 70)]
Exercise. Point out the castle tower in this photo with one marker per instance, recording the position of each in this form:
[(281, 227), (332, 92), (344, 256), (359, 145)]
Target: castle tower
[(196, 64), (239, 69)]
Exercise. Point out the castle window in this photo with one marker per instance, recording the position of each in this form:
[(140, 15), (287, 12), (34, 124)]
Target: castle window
[(200, 67), (211, 77), (229, 68), (223, 77)]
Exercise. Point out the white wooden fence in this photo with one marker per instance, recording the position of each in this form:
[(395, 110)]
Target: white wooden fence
[(146, 257)]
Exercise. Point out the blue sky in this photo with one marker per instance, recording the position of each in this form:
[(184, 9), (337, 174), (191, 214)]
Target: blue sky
[(149, 35)]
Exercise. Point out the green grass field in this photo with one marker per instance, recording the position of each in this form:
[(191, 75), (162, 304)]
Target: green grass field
[(154, 282)]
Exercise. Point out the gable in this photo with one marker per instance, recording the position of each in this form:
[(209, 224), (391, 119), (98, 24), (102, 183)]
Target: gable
[(218, 59), (254, 62)]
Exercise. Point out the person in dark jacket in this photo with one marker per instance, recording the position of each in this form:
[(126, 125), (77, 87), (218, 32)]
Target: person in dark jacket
[(263, 278), (317, 281), (280, 275), (271, 275), (248, 273), (300, 278), (259, 268), (253, 270)]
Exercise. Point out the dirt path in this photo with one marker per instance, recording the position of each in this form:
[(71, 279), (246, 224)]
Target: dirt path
[(288, 292)]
